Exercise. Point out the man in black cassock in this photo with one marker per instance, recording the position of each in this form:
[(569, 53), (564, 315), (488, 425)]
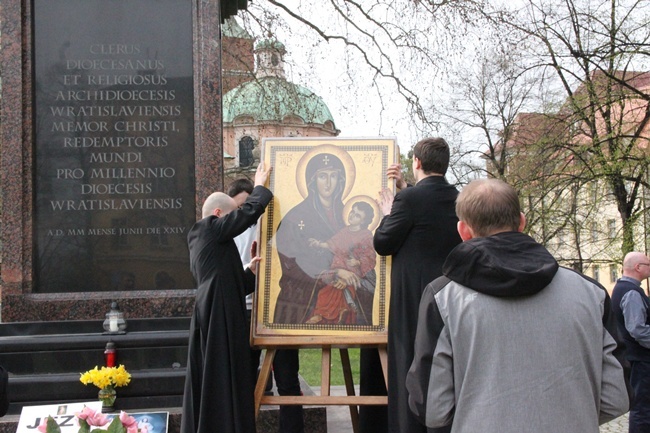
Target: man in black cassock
[(418, 231), (219, 388)]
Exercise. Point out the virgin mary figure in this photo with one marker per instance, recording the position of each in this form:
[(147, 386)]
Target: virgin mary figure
[(305, 270)]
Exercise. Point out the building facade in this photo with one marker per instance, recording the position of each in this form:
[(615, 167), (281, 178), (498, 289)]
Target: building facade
[(583, 170)]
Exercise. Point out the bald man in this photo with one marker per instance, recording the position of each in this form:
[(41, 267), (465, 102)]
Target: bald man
[(218, 389), (630, 305)]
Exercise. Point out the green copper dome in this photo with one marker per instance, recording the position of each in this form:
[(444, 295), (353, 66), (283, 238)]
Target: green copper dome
[(272, 99), (270, 44)]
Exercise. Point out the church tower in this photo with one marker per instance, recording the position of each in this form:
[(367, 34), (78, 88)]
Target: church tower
[(269, 106)]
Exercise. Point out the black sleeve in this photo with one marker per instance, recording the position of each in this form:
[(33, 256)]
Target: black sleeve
[(393, 228), (237, 221), (430, 326), (609, 321), (249, 280)]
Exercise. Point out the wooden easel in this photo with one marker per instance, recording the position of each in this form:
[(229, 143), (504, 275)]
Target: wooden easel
[(324, 398)]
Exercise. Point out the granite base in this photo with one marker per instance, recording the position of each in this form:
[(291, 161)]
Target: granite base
[(267, 421)]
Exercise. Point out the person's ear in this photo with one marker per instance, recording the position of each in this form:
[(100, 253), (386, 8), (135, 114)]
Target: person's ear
[(522, 222), (466, 233), (216, 212), (417, 164)]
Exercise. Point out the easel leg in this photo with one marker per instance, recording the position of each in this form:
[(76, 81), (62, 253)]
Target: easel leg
[(263, 378), (349, 386), (326, 362)]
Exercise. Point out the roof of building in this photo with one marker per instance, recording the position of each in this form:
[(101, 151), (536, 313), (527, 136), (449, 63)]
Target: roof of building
[(231, 29), (273, 99)]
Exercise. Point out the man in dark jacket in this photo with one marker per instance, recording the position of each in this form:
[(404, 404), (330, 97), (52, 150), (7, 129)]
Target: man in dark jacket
[(219, 388), (418, 231), (630, 305), (508, 341)]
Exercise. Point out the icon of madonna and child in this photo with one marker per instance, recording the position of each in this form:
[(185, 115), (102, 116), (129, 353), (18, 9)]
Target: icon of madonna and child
[(325, 249)]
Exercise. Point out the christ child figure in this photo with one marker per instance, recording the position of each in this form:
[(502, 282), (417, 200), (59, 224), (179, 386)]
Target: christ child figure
[(353, 256)]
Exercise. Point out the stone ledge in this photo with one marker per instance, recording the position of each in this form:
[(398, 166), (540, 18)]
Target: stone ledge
[(315, 417)]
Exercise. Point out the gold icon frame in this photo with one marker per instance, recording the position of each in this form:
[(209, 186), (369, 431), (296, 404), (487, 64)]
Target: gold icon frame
[(364, 161)]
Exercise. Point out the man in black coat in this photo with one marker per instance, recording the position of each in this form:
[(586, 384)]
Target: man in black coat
[(418, 231), (219, 389)]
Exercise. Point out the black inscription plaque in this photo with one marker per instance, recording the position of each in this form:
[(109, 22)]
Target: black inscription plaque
[(114, 147)]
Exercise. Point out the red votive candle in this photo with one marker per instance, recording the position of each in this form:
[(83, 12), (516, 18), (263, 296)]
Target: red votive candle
[(109, 354)]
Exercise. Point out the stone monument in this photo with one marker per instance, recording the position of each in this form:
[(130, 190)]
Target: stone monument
[(111, 135), (111, 139)]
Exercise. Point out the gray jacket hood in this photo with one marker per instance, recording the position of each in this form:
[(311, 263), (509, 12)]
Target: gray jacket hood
[(505, 264)]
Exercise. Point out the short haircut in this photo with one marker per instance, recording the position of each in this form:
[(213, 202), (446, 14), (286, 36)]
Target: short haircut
[(218, 200), (240, 185), (489, 206), (367, 210), (433, 153)]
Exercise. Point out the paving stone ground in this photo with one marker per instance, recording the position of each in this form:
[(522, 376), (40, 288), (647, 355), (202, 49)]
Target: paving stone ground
[(619, 425), (338, 417)]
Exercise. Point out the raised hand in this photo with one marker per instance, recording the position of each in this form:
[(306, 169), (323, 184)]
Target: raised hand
[(262, 174), (385, 201), (395, 172)]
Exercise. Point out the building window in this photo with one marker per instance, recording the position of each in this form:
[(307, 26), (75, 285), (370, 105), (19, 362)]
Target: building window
[(613, 275), (611, 228), (597, 273), (594, 232), (594, 194), (246, 145)]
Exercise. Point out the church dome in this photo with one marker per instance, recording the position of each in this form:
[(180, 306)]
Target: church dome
[(270, 98), (274, 99), (270, 44)]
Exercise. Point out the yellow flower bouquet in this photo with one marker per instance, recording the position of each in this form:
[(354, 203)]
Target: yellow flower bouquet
[(106, 379)]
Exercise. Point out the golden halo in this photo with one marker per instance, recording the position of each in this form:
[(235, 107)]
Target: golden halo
[(346, 159), (365, 198)]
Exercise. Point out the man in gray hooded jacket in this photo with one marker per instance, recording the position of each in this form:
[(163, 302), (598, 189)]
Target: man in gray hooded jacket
[(508, 341)]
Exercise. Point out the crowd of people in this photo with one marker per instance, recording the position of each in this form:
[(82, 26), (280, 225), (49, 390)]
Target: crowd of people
[(486, 332)]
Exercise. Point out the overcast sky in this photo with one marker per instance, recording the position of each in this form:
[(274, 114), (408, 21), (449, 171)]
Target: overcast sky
[(344, 82)]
